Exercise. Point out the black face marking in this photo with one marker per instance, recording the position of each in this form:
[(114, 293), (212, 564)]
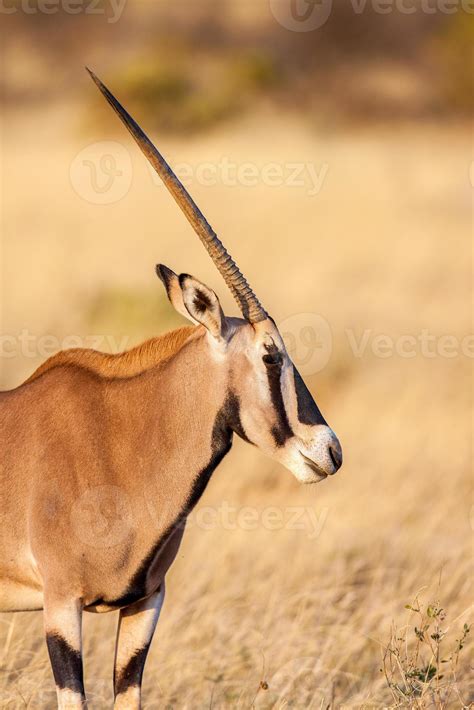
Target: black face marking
[(231, 411), (308, 412), (227, 421), (66, 663), (132, 673), (282, 430)]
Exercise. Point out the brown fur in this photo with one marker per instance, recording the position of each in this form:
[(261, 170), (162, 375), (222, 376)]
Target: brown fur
[(126, 364), (73, 432), (103, 457)]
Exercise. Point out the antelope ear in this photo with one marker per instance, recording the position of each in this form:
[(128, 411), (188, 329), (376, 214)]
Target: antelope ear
[(203, 306), (173, 290)]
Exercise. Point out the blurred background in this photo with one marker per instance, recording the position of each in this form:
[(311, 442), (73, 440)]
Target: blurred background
[(330, 146)]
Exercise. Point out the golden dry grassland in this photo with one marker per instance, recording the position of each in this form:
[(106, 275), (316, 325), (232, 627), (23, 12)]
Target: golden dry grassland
[(282, 596)]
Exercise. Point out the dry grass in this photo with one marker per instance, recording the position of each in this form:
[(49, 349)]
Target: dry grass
[(287, 617)]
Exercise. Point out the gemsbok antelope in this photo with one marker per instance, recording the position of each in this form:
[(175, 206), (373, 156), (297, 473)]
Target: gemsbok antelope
[(138, 435)]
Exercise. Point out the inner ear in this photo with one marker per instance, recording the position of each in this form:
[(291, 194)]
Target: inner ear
[(203, 305), (201, 301)]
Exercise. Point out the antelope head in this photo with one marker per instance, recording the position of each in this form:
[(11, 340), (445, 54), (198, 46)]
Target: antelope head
[(276, 411)]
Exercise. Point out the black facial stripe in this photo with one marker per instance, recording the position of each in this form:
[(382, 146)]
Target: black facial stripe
[(282, 431), (131, 674), (231, 410), (308, 412), (66, 663), (227, 421)]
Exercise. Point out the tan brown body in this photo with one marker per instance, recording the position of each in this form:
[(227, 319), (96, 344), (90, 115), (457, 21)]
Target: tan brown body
[(88, 442), (102, 457)]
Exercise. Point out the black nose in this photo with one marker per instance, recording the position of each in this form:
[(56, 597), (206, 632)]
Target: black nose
[(336, 457)]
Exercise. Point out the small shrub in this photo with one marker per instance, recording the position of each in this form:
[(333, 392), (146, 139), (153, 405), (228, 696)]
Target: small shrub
[(421, 659)]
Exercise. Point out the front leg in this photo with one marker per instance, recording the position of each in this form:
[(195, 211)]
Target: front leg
[(135, 631), (62, 624)]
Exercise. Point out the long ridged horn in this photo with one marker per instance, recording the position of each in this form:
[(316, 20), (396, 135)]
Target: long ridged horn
[(235, 280)]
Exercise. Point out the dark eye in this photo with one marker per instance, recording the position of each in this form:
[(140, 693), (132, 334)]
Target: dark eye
[(272, 359)]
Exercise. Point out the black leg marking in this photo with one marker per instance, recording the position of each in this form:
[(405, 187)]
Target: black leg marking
[(66, 663), (131, 674), (308, 412)]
